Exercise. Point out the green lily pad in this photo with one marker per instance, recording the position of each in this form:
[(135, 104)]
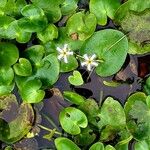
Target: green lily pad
[(34, 19), (104, 8), (85, 138), (146, 86), (130, 5), (50, 33), (109, 147), (35, 54), (53, 12), (23, 68), (137, 113), (25, 117), (69, 7), (62, 143), (112, 114), (31, 93), (108, 45), (76, 78), (48, 73), (9, 52), (81, 24), (6, 80), (72, 119), (14, 31), (97, 146), (73, 97), (142, 145)]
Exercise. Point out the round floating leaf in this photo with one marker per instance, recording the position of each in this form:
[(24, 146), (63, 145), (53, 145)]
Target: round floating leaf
[(6, 89), (137, 27), (142, 145), (34, 20), (76, 78), (130, 5), (81, 24), (53, 12), (108, 45), (48, 73), (104, 8), (62, 143), (97, 146), (69, 7), (73, 97), (109, 147), (147, 86), (32, 11), (14, 31), (112, 114), (23, 68), (137, 113), (35, 54), (6, 75), (13, 133), (50, 33), (9, 52), (31, 92), (71, 65), (72, 119), (85, 138), (5, 21), (32, 24)]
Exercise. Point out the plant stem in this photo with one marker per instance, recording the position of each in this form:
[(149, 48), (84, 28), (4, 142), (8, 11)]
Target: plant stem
[(50, 130), (125, 141)]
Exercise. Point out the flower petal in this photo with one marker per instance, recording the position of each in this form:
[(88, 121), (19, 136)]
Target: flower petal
[(65, 46), (59, 49), (65, 59), (93, 57), (85, 56), (69, 53), (89, 67), (94, 64), (60, 56), (84, 63)]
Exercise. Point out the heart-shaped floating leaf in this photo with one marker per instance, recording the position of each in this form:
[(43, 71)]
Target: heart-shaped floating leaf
[(50, 33), (97, 146), (104, 8), (31, 92), (5, 21), (9, 52), (69, 7), (6, 80), (73, 97), (48, 73), (108, 45), (72, 119), (34, 19), (86, 137), (76, 78), (14, 31), (81, 24), (112, 114), (23, 68), (142, 145), (62, 143), (25, 118), (138, 117)]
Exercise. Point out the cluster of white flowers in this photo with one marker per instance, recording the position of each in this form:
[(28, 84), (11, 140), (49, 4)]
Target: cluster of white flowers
[(89, 61)]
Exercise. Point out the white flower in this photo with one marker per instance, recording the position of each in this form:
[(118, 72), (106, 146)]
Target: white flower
[(89, 62), (64, 53)]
